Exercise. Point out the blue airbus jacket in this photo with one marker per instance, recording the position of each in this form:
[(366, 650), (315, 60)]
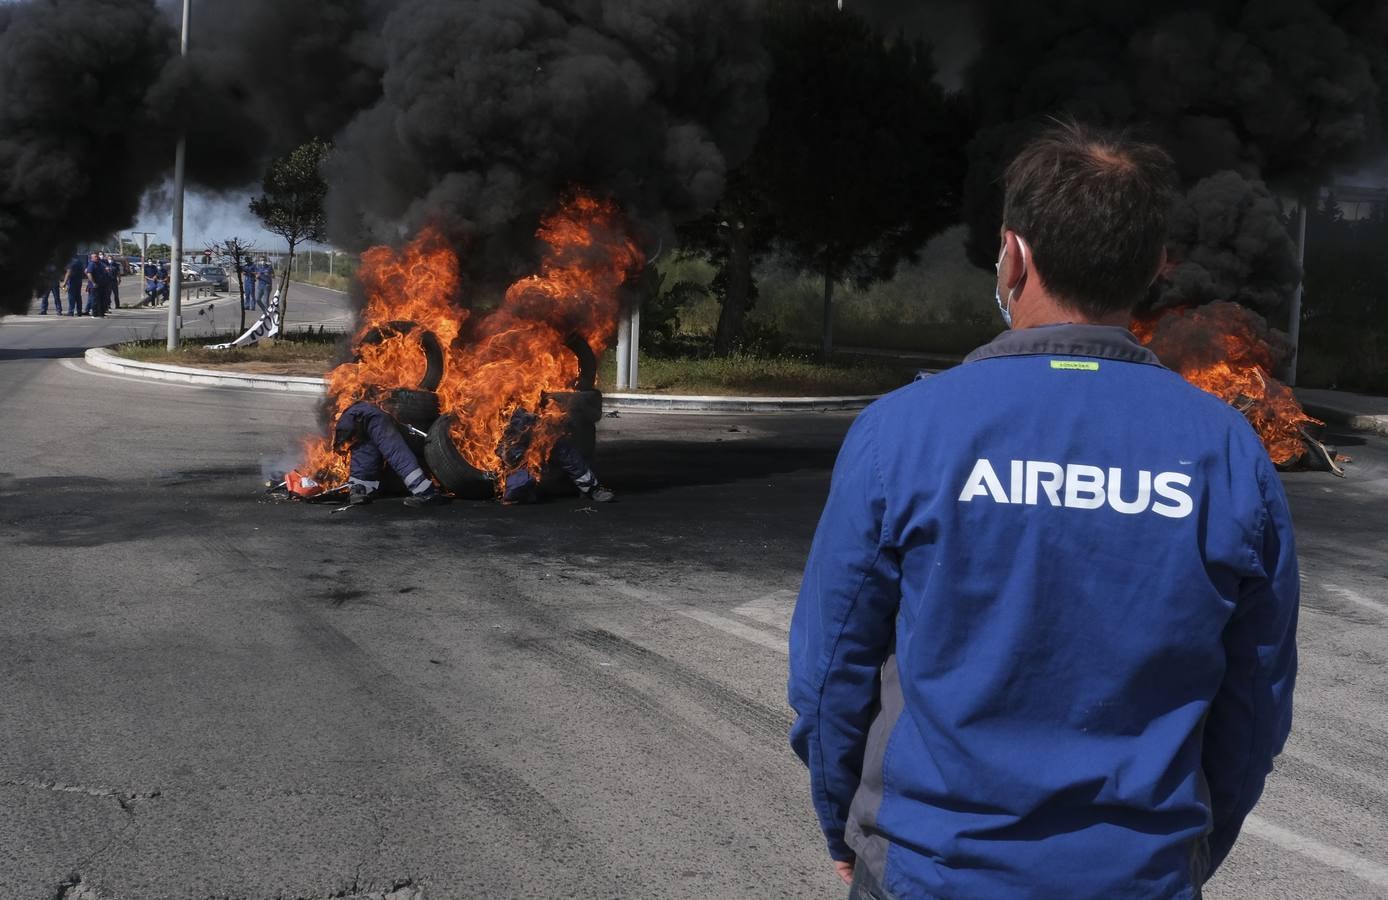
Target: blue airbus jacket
[(1045, 642)]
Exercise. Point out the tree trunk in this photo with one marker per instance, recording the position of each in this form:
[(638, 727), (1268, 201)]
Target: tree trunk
[(827, 350), (284, 290), (241, 285), (737, 292)]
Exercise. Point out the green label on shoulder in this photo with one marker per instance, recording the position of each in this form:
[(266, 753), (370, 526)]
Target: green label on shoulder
[(1073, 365)]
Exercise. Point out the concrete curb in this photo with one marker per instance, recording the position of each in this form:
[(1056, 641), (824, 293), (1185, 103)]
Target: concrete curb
[(1335, 415), (686, 403), (101, 358)]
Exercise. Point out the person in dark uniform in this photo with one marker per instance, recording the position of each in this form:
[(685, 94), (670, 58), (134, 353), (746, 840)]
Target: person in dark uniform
[(374, 439), (73, 279), (97, 286), (48, 287), (114, 270), (262, 277), (150, 271), (521, 485), (248, 286)]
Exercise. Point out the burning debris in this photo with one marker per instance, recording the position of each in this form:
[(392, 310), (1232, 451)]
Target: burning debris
[(1230, 351), (493, 392)]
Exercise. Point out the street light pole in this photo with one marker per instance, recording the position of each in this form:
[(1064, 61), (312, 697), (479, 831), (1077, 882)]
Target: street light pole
[(180, 165), (1294, 325)]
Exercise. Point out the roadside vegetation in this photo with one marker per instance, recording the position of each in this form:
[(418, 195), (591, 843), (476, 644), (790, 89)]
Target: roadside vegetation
[(333, 282), (307, 352)]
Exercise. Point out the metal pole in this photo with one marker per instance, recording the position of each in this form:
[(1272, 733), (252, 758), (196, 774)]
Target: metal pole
[(180, 167), (633, 367), (1294, 326), (623, 353)]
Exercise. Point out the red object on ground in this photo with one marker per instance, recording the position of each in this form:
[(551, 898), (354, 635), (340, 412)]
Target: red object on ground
[(303, 486)]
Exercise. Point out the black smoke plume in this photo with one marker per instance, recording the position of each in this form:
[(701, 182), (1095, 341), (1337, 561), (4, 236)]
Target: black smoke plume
[(471, 114), (81, 132), (1243, 92), (490, 108), (268, 75)]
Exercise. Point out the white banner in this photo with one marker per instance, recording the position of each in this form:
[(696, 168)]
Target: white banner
[(267, 326)]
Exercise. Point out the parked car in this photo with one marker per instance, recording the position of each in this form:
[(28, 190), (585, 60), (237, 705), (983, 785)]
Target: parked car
[(216, 275)]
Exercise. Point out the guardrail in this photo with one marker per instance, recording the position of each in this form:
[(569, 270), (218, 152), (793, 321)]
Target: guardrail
[(203, 289)]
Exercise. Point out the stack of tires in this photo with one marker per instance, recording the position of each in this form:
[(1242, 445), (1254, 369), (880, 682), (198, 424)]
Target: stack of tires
[(582, 408), (415, 407)]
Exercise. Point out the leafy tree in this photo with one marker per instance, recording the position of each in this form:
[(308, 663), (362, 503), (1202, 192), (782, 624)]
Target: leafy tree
[(291, 204), (160, 251), (862, 159), (733, 238)]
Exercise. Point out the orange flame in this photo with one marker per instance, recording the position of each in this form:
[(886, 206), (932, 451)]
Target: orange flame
[(501, 361), (1228, 350)]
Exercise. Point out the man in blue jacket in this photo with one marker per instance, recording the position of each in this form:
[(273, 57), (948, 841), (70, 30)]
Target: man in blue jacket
[(1045, 643)]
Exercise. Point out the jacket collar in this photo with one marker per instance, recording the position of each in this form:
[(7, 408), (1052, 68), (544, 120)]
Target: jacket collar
[(1067, 339)]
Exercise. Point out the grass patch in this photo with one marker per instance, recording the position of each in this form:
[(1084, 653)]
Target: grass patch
[(761, 376), (324, 280), (310, 354), (765, 376)]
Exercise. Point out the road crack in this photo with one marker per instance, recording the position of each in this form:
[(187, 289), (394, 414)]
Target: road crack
[(124, 799)]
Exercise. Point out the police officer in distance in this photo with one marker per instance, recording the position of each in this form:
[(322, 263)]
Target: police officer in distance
[(73, 280), (98, 286), (262, 275), (115, 270), (1045, 643)]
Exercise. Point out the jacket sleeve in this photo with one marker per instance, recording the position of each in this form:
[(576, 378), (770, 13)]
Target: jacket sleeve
[(1252, 713), (841, 632)]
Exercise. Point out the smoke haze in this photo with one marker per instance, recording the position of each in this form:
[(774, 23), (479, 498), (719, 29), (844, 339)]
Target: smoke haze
[(83, 127)]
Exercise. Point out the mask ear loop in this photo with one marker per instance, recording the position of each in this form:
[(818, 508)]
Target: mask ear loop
[(1026, 267)]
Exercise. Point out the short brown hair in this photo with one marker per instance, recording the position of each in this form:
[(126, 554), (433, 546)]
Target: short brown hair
[(1093, 206)]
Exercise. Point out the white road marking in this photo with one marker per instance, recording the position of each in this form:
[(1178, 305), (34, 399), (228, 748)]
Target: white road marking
[(1355, 597), (712, 620), (1360, 868), (773, 609)]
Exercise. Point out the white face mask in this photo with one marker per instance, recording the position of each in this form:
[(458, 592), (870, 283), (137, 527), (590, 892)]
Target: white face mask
[(1006, 308)]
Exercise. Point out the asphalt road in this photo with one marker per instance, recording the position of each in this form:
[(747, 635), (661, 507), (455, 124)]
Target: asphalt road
[(211, 694)]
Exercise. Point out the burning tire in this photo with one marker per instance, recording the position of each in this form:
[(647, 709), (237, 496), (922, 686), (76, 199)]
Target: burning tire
[(587, 363), (458, 476), (417, 408), (428, 342)]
